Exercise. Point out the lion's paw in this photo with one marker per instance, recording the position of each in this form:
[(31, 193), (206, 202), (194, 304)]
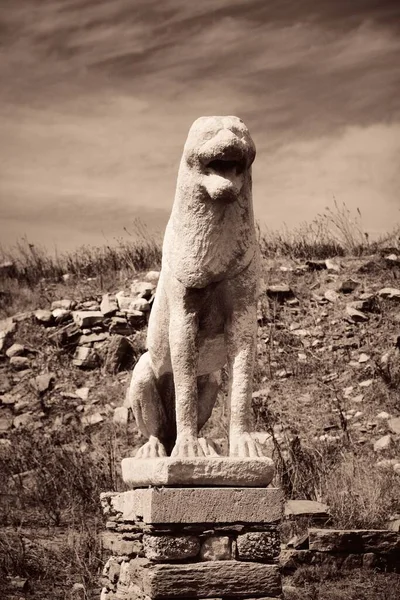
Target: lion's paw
[(244, 446), (190, 446), (151, 449)]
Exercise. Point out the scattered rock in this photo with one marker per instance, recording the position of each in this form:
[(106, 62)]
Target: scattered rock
[(394, 425), (108, 306), (22, 421), (121, 416), (85, 358), (332, 266), (366, 383), (94, 419), (15, 350), (152, 276), (136, 318), (86, 319), (120, 326), (64, 304), (42, 383), (44, 317), (356, 316), (7, 328), (316, 265), (384, 443), (67, 336), (138, 304), (61, 315), (296, 508), (142, 289), (5, 424), (91, 338), (348, 286), (119, 355), (391, 293), (19, 362), (331, 296), (363, 358), (279, 292), (82, 393), (383, 416)]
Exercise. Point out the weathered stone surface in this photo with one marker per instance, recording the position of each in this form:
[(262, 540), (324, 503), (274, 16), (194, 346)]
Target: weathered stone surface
[(118, 546), (202, 505), (61, 315), (207, 579), (258, 545), (211, 470), (86, 319), (216, 547), (354, 541), (170, 547), (305, 508)]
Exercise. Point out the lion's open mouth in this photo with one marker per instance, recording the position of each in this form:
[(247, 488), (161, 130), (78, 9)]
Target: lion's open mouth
[(226, 167)]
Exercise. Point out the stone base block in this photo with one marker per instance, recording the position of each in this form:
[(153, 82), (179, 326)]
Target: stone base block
[(168, 543), (200, 505), (207, 580), (216, 471)]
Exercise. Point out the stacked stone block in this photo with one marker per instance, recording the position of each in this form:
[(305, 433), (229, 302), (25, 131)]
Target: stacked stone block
[(174, 543)]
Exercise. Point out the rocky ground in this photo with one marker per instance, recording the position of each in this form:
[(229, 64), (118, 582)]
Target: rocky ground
[(326, 399)]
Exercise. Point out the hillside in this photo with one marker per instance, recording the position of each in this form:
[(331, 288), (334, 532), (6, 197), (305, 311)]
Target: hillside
[(326, 397)]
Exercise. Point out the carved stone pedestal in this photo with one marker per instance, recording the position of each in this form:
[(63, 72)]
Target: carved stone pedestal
[(192, 542)]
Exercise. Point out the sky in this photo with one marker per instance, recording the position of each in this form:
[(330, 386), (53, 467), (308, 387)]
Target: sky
[(96, 99)]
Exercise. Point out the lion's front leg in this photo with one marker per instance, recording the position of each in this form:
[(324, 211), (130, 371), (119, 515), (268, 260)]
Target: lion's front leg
[(241, 340), (183, 341)]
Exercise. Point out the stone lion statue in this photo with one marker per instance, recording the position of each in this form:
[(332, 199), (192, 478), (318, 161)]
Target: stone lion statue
[(204, 313)]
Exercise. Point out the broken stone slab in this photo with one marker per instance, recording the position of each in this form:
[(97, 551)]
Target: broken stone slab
[(210, 470), (200, 505), (306, 508), (66, 336), (209, 579), (85, 358), (332, 265), (119, 354), (354, 541), (159, 548), (86, 319), (331, 296), (7, 328), (108, 305), (91, 338)]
